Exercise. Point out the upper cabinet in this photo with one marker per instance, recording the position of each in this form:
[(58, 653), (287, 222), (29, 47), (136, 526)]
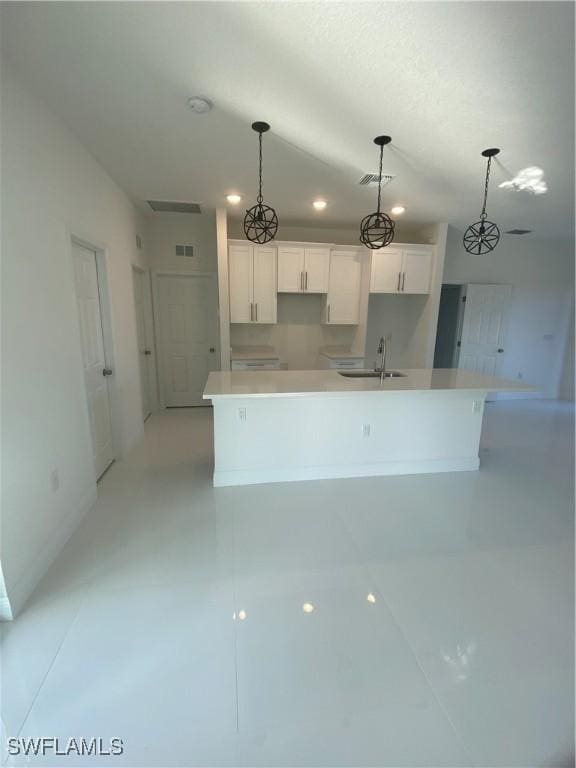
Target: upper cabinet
[(343, 299), (252, 276), (303, 269), (401, 269)]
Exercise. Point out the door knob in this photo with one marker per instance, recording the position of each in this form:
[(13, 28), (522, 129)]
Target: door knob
[(107, 372), (500, 351), (147, 352), (212, 349)]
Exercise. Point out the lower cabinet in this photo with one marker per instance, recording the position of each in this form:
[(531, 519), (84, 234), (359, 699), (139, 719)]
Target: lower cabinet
[(342, 306)]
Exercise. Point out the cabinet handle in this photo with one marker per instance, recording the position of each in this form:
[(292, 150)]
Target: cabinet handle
[(328, 312), (256, 311), (306, 286), (251, 312), (403, 279), (399, 277), (301, 281)]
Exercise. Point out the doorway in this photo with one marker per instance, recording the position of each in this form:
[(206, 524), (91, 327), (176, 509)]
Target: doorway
[(90, 284), (472, 326), (450, 315), (187, 334), (141, 285)]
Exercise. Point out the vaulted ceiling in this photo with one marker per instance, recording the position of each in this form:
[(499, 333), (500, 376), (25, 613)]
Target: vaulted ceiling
[(445, 80)]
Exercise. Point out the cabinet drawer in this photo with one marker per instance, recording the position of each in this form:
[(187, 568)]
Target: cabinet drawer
[(255, 365)]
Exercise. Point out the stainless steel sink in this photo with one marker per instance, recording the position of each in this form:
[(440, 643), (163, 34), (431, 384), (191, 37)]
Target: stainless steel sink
[(370, 374)]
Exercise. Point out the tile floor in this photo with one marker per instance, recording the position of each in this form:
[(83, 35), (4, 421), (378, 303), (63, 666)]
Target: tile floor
[(438, 631)]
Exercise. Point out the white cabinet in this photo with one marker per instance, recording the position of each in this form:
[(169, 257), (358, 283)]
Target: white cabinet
[(252, 276), (303, 269), (342, 305), (341, 363), (401, 269)]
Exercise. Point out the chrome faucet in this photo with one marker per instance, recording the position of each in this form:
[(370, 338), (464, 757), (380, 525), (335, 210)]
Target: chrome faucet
[(382, 352)]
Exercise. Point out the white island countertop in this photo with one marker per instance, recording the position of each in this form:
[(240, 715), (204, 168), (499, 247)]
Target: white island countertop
[(227, 384)]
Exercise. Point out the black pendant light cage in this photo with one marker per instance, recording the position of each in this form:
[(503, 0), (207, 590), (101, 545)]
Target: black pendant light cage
[(260, 221), (377, 229), (483, 236)]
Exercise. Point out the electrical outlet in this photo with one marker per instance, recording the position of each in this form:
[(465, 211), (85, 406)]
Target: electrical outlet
[(476, 406), (242, 414), (519, 375), (54, 480), (365, 430)]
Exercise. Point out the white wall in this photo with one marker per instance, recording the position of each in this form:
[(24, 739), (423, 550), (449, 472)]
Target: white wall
[(566, 390), (166, 230), (52, 187), (541, 273), (407, 233)]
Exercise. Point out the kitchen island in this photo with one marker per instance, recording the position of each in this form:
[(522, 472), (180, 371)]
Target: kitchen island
[(276, 426)]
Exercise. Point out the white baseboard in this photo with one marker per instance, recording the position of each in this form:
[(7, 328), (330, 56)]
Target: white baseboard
[(257, 476), (19, 593)]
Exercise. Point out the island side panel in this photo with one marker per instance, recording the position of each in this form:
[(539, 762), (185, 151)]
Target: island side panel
[(276, 439)]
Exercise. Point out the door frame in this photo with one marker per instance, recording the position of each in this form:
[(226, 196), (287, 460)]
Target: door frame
[(102, 272), (149, 327), (158, 274)]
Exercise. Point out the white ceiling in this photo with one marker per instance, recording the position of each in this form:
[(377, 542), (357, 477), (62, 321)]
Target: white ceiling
[(445, 80)]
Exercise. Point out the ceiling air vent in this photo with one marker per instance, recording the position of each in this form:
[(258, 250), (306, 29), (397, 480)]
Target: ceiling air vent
[(170, 206), (372, 178), (518, 231), (185, 250)]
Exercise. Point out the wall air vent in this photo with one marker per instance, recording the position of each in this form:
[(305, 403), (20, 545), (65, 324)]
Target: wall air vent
[(518, 231), (170, 206), (185, 250), (372, 178)]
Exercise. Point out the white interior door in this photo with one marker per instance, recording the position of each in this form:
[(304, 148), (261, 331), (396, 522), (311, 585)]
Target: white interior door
[(240, 274), (265, 285), (93, 355), (188, 336), (316, 267), (144, 350), (483, 327), (386, 270)]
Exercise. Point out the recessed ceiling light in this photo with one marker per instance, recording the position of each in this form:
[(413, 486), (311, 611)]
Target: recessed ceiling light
[(371, 597), (319, 204), (398, 210), (199, 105), (234, 199), (307, 607)]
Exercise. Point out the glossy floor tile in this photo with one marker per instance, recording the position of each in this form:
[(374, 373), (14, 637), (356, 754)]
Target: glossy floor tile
[(401, 621)]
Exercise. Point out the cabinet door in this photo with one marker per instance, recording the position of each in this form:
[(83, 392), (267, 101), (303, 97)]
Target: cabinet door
[(264, 284), (417, 268), (386, 270), (290, 269), (240, 277), (316, 270), (343, 300)]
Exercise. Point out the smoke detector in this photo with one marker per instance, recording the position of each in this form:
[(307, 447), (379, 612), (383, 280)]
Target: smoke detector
[(372, 178), (199, 105)]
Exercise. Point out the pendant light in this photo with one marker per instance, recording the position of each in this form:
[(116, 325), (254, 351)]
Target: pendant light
[(260, 221), (377, 229), (483, 236)]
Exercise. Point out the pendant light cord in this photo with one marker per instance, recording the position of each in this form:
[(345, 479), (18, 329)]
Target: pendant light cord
[(260, 198), (380, 177), (483, 214)]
